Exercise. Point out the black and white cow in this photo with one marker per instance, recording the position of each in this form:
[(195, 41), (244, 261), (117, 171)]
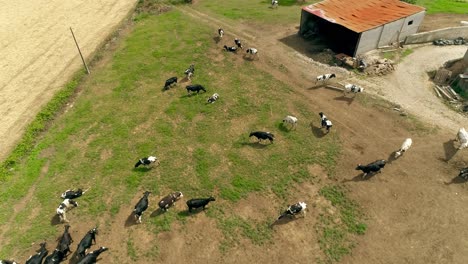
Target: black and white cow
[(92, 257), (213, 98), (230, 49), (324, 77), (352, 88), (4, 261), (294, 209), (62, 209), (260, 135), (373, 167), (238, 43), (252, 51), (72, 194), (195, 88), (199, 202), (190, 71), (147, 161), (274, 3), (86, 242), (220, 32), (463, 173), (169, 200), (324, 122), (55, 258), (141, 206), (41, 254), (65, 241), (169, 82)]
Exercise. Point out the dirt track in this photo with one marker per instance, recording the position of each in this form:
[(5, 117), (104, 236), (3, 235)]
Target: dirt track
[(39, 55)]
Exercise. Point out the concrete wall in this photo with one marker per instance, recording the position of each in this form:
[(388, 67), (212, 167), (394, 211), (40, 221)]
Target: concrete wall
[(390, 32), (415, 21), (368, 40), (446, 33)]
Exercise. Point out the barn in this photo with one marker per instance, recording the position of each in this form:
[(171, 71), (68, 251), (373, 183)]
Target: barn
[(354, 27)]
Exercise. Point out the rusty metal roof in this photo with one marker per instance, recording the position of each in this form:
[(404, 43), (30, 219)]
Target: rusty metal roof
[(362, 15)]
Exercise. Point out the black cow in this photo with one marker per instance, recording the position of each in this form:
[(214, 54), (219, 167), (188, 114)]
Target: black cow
[(199, 202), (260, 135), (72, 194), (65, 241), (373, 167), (463, 173), (195, 88), (141, 206), (230, 49), (169, 82), (37, 258), (86, 242), (91, 258), (56, 257), (169, 200)]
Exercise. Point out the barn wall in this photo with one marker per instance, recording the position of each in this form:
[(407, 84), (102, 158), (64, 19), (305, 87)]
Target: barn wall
[(413, 28), (390, 32), (369, 40)]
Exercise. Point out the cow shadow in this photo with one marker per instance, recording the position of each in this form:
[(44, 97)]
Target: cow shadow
[(317, 86), (456, 180), (217, 39), (391, 158), (359, 178), (285, 220), (317, 131), (187, 213), (346, 99), (449, 150), (256, 145), (285, 128), (131, 221), (142, 169), (73, 258), (157, 212), (55, 220)]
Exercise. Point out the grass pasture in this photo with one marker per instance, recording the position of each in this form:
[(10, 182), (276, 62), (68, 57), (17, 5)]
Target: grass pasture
[(444, 6), (122, 114)]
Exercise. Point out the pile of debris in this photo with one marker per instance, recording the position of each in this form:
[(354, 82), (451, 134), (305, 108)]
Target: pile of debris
[(444, 42), (380, 67)]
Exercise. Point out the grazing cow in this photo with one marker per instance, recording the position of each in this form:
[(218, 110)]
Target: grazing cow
[(404, 147), (463, 173), (325, 77), (294, 209), (65, 241), (290, 120), (220, 32), (86, 242), (190, 71), (238, 43), (373, 167), (147, 161), (352, 88), (141, 206), (230, 49), (462, 136), (4, 261), (169, 82), (62, 209), (199, 202), (41, 254), (274, 3), (195, 88), (55, 258), (252, 51), (72, 194), (169, 200), (213, 98), (91, 258), (325, 122), (260, 135)]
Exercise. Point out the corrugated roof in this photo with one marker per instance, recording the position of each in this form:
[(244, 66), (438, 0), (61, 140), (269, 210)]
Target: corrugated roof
[(362, 15)]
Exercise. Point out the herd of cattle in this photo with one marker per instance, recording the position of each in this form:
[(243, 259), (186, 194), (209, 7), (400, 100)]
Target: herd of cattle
[(62, 250)]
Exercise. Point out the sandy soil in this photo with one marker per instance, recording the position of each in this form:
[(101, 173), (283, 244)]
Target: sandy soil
[(39, 55)]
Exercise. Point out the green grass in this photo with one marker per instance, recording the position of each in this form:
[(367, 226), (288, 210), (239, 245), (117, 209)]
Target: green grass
[(444, 6), (336, 230), (122, 115)]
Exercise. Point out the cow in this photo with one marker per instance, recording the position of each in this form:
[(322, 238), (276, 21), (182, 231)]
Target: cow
[(169, 200), (62, 209), (72, 194), (274, 3), (462, 137), (65, 241), (141, 206), (55, 258), (352, 88), (230, 49), (199, 202), (463, 173), (292, 120), (325, 123), (195, 88), (220, 32), (404, 147), (252, 52), (373, 167), (294, 209), (4, 261), (190, 71), (41, 254), (86, 242), (238, 43), (147, 161), (261, 135), (213, 98), (91, 258), (169, 82), (325, 77)]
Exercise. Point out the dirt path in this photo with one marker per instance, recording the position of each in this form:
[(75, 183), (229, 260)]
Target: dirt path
[(39, 55)]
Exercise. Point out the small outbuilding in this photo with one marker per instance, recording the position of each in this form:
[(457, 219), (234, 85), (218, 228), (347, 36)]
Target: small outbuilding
[(354, 27)]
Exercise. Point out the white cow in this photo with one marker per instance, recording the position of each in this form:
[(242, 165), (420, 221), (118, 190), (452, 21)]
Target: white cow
[(404, 147), (62, 209), (352, 88), (292, 120), (462, 136)]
